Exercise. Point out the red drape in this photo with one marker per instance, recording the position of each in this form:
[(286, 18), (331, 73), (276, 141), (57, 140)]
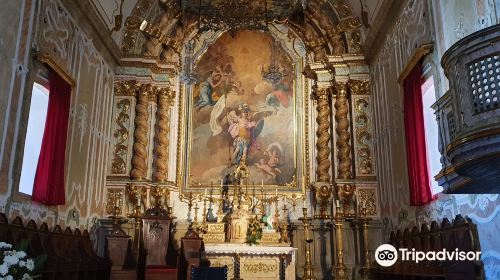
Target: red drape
[(416, 149), (49, 184)]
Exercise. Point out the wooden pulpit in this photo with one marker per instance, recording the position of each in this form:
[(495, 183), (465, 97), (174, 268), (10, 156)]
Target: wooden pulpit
[(156, 235)]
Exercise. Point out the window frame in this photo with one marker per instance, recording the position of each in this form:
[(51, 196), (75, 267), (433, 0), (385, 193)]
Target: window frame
[(41, 64)]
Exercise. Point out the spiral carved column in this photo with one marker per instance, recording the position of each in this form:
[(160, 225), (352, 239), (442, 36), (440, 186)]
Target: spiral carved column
[(322, 188), (162, 133), (322, 96), (139, 158), (343, 135)]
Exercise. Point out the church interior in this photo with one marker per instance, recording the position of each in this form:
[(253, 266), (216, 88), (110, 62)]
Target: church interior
[(244, 139)]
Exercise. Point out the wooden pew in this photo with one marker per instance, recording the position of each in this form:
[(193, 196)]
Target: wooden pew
[(460, 234), (70, 254)]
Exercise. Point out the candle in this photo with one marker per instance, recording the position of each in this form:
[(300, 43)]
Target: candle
[(276, 192), (143, 25), (285, 200), (262, 183), (337, 203), (221, 183), (205, 191), (138, 198)]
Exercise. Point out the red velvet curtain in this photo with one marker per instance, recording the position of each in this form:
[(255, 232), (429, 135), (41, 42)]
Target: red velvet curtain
[(49, 184), (416, 149)]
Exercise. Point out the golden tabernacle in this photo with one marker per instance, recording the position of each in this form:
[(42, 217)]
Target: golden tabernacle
[(244, 237)]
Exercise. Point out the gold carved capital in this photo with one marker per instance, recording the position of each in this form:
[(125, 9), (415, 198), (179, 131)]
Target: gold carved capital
[(359, 87), (322, 94), (125, 88), (341, 89), (165, 95)]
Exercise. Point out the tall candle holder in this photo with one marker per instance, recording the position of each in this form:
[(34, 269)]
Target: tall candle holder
[(195, 218), (204, 219), (284, 226), (116, 218), (366, 268), (308, 265), (340, 270), (220, 202), (189, 199), (276, 215), (137, 216)]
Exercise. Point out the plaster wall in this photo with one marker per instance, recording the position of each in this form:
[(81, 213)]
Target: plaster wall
[(29, 26), (417, 25)]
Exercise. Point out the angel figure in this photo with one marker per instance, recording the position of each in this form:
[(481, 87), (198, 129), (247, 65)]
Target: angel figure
[(244, 131), (270, 166)]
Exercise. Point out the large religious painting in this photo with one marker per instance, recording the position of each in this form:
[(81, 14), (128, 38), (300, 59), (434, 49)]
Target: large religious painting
[(243, 110)]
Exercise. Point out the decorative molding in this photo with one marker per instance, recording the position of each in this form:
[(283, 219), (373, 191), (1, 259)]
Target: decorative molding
[(363, 132), (121, 135), (89, 20), (47, 59), (420, 52)]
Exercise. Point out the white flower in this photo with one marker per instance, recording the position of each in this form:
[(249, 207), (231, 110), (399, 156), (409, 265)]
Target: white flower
[(4, 245), (21, 254), (11, 260), (9, 277), (4, 269), (26, 276), (30, 264)]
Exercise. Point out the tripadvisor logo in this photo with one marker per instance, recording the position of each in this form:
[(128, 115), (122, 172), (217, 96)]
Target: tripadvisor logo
[(386, 255)]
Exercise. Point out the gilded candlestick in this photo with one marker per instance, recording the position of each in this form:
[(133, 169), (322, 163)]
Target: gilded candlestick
[(204, 210), (366, 269), (340, 270), (308, 265), (195, 220)]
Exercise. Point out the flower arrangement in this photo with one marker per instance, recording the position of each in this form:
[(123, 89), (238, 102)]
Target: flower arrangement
[(15, 263), (254, 233)]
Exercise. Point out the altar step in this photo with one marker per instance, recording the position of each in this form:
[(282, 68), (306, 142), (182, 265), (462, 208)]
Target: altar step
[(161, 273)]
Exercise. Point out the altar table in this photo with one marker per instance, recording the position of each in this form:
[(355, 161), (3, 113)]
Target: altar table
[(253, 262)]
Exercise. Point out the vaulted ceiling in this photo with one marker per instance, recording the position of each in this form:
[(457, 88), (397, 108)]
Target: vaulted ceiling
[(324, 19)]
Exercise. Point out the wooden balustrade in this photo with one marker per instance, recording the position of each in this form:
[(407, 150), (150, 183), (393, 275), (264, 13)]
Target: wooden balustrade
[(70, 254), (460, 234)]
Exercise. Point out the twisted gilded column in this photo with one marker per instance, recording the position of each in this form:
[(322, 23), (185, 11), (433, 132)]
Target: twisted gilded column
[(139, 158), (342, 130), (322, 97), (164, 101)]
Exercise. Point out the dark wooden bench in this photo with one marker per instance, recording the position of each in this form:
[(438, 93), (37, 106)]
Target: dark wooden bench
[(460, 234), (70, 254)]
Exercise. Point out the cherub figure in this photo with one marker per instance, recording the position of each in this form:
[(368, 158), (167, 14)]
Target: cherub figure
[(270, 166)]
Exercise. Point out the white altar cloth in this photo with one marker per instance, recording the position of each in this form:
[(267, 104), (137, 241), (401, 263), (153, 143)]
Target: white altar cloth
[(254, 262)]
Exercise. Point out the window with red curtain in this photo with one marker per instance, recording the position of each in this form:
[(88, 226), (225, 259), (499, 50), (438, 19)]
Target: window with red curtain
[(416, 150), (48, 186)]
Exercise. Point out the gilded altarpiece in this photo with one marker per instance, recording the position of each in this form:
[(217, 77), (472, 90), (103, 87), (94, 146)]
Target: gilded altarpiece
[(235, 115), (362, 124)]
